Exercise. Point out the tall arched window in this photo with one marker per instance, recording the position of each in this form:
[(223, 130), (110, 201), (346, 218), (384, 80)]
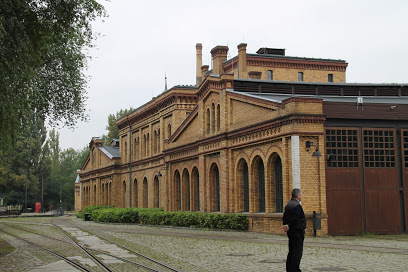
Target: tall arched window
[(243, 178), (124, 194), (278, 185), (177, 191), (94, 195), (156, 192), (134, 193), (259, 182), (110, 194), (145, 194), (215, 185), (168, 130), (126, 156), (148, 144), (218, 117), (158, 140), (208, 121), (213, 118), (144, 145), (186, 191), (195, 189), (135, 148), (155, 142)]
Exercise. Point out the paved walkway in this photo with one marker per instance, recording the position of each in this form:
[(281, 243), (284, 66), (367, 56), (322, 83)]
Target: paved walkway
[(201, 250)]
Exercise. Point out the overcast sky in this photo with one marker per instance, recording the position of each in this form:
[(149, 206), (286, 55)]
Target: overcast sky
[(143, 40)]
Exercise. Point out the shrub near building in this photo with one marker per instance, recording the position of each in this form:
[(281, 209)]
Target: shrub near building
[(159, 217)]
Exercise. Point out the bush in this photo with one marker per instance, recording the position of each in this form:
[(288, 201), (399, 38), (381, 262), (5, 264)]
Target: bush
[(167, 218), (90, 209)]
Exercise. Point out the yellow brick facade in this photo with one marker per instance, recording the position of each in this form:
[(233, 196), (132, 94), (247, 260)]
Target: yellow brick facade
[(209, 148)]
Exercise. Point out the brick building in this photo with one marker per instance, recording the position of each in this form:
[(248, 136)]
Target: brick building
[(250, 130)]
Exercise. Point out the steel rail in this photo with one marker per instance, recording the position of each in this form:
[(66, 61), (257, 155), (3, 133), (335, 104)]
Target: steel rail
[(74, 264), (135, 252), (96, 260), (92, 249)]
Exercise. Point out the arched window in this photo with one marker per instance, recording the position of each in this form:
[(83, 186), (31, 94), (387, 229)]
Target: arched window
[(213, 118), (169, 130), (110, 194), (134, 194), (195, 189), (259, 182), (243, 178), (135, 147), (186, 191), (156, 192), (177, 190), (126, 157), (124, 194), (94, 195), (158, 140), (144, 145), (145, 194), (155, 142), (148, 145), (215, 187), (278, 184), (208, 121), (218, 117)]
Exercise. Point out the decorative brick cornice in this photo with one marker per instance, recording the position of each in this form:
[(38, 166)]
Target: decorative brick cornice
[(155, 107), (296, 64)]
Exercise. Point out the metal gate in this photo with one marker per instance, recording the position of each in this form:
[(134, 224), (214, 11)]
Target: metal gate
[(363, 180)]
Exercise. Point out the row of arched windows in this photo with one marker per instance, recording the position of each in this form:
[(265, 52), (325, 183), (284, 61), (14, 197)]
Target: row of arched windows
[(256, 189), (146, 144), (186, 190), (213, 118), (256, 184), (144, 189)]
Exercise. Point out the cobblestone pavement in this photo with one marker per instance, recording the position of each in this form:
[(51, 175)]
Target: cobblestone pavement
[(203, 250)]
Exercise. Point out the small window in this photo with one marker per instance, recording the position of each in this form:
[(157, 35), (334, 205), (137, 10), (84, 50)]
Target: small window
[(330, 77), (270, 75), (300, 76)]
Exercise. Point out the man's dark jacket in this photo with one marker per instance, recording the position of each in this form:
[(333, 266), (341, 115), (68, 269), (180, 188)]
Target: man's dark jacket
[(294, 216)]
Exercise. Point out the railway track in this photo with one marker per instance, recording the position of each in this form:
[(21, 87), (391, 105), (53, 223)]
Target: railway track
[(90, 252), (161, 264)]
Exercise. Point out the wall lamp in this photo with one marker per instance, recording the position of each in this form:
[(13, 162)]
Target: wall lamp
[(309, 144), (159, 175)]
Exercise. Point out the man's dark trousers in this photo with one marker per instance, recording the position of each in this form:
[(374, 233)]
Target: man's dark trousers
[(296, 239)]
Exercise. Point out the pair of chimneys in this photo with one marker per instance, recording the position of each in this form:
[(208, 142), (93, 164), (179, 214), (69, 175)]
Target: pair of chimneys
[(219, 55)]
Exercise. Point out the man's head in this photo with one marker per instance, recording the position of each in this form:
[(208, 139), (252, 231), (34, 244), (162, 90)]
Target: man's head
[(297, 193)]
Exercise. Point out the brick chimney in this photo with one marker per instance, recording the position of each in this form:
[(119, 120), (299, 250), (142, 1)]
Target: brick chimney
[(204, 69), (219, 54), (242, 61), (199, 63)]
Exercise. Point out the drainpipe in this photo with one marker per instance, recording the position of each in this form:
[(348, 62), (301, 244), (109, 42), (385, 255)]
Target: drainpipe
[(130, 164)]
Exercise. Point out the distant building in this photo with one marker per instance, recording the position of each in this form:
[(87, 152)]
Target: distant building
[(252, 129)]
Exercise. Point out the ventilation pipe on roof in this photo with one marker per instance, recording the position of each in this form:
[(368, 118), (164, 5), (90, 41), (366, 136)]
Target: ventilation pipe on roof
[(199, 63)]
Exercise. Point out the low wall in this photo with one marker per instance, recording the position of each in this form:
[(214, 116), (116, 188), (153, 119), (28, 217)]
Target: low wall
[(272, 223)]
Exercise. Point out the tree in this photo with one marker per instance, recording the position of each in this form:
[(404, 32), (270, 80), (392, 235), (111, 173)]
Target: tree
[(21, 165), (42, 58), (113, 132)]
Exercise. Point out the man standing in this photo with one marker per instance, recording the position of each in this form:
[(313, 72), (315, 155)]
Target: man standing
[(294, 224)]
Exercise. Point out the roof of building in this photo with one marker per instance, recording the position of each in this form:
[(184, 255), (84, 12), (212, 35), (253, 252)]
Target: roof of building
[(278, 98), (110, 151)]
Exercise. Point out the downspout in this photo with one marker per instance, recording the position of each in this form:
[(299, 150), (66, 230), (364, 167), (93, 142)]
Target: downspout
[(130, 164)]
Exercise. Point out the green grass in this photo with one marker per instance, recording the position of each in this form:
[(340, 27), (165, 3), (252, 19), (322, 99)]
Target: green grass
[(5, 248)]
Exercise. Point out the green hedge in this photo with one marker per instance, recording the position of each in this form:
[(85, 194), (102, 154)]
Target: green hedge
[(160, 217), (90, 210)]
